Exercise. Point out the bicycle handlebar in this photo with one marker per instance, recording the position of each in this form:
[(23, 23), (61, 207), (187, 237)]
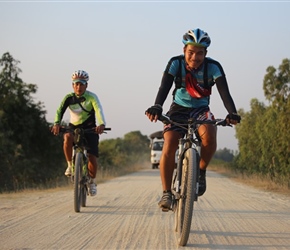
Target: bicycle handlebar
[(217, 122), (64, 129)]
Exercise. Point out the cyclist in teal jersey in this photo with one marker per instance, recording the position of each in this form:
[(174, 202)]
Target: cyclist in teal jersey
[(85, 109), (194, 75)]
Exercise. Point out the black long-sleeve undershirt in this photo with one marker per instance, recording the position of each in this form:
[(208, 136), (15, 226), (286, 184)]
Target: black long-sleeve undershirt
[(221, 83), (166, 84), (223, 89)]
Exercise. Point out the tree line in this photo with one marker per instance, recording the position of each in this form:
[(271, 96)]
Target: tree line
[(263, 135)]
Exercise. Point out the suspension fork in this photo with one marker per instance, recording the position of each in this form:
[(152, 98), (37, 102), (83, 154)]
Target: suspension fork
[(181, 142)]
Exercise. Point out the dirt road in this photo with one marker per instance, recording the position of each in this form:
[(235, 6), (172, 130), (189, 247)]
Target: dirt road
[(125, 215)]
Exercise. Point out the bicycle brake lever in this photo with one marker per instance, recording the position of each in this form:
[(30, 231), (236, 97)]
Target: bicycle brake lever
[(223, 123), (164, 119)]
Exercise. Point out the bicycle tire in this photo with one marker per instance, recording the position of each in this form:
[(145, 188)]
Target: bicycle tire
[(175, 201), (84, 189), (188, 191), (78, 181), (83, 196)]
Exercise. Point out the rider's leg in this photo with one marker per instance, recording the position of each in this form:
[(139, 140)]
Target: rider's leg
[(208, 147), (92, 166), (167, 161), (207, 133), (93, 153), (67, 146), (167, 165), (67, 149)]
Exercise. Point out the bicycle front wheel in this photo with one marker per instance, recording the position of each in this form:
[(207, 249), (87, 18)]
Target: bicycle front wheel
[(188, 192), (78, 181), (84, 189)]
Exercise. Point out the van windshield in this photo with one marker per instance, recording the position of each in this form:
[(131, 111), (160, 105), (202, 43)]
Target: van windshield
[(157, 145)]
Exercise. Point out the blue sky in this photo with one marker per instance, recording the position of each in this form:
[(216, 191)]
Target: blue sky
[(125, 47)]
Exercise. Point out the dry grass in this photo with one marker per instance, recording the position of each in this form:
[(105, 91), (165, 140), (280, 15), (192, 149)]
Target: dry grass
[(256, 181), (103, 176), (64, 183)]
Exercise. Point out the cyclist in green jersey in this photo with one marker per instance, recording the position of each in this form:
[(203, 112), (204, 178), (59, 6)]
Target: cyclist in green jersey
[(85, 112)]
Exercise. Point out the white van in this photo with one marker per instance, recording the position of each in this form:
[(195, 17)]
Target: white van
[(156, 147), (156, 151)]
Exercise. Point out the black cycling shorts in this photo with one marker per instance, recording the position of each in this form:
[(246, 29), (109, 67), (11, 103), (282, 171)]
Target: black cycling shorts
[(177, 112), (92, 141), (93, 144)]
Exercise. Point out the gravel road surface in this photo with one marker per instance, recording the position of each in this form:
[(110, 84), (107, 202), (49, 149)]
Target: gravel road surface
[(125, 215)]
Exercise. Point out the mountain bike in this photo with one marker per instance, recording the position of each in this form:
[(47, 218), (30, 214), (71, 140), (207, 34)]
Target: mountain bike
[(185, 181), (80, 174)]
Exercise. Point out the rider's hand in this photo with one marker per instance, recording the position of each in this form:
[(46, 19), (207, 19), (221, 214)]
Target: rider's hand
[(100, 129), (154, 112), (233, 118), (55, 129)]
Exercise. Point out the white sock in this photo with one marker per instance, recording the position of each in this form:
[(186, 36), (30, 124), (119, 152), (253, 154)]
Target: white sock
[(69, 164)]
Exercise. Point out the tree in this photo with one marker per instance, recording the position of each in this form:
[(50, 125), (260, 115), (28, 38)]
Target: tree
[(27, 148), (224, 154), (277, 83), (133, 148), (263, 135)]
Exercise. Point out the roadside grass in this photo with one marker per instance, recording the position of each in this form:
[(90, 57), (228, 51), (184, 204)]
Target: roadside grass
[(65, 183), (261, 182)]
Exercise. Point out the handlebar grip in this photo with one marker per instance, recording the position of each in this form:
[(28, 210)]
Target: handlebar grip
[(63, 129), (223, 123), (107, 129), (163, 118)]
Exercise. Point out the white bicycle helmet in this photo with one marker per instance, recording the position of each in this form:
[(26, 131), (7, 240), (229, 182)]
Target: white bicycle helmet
[(80, 76), (196, 37)]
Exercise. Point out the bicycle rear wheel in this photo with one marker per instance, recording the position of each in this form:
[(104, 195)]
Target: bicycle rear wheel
[(78, 181), (188, 192)]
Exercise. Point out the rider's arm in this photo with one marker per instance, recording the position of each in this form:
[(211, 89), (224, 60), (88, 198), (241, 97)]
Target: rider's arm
[(99, 113), (169, 74), (166, 84), (61, 109), (224, 92)]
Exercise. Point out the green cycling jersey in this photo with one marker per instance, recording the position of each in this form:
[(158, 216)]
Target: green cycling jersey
[(85, 110)]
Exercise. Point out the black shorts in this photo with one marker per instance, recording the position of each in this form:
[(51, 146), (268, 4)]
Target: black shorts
[(93, 144), (92, 141), (177, 112)]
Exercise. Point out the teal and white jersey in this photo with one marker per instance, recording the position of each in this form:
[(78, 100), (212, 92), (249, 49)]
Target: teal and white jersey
[(85, 110), (182, 97)]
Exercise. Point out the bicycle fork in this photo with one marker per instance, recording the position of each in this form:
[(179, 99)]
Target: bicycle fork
[(179, 164), (85, 178), (182, 148)]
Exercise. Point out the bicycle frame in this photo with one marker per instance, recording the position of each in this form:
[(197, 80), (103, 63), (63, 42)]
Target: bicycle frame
[(191, 140), (80, 176)]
